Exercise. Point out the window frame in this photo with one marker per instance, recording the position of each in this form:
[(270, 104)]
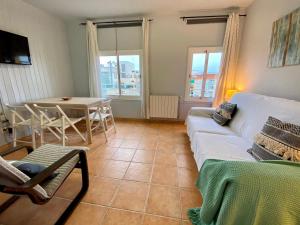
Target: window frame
[(195, 50), (118, 53)]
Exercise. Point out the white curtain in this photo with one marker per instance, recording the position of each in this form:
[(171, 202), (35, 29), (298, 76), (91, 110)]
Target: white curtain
[(145, 74), (230, 58), (93, 61)]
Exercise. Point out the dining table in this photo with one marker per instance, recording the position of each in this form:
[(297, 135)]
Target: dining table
[(79, 103)]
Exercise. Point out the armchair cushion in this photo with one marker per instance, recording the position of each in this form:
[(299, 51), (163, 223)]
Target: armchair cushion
[(16, 177), (47, 155)]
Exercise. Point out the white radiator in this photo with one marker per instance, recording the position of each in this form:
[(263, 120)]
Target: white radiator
[(164, 106)]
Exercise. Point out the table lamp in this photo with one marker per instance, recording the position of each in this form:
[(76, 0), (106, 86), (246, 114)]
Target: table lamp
[(230, 93)]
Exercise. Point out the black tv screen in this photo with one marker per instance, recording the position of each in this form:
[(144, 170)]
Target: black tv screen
[(14, 49)]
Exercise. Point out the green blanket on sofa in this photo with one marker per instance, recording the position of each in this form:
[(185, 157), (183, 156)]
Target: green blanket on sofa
[(248, 193)]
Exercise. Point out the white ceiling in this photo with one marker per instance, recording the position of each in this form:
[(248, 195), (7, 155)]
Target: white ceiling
[(70, 9)]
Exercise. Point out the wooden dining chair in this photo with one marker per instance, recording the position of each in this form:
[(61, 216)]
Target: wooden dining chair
[(62, 122), (36, 118), (20, 118), (102, 115)]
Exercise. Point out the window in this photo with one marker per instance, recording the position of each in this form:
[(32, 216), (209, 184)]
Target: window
[(202, 73), (121, 73)]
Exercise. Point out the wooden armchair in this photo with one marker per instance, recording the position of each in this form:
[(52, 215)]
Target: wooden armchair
[(40, 189)]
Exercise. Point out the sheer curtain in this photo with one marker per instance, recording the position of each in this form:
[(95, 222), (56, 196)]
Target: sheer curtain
[(145, 75), (93, 60), (230, 57)]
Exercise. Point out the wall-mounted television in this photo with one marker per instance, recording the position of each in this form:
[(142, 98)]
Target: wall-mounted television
[(14, 49)]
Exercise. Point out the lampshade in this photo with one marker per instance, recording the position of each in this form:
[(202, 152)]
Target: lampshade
[(230, 93)]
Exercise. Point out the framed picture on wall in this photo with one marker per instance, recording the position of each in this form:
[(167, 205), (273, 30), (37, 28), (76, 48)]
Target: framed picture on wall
[(285, 41), (279, 41), (293, 49)]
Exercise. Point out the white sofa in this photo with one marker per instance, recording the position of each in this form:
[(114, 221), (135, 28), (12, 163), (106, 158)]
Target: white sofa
[(212, 141)]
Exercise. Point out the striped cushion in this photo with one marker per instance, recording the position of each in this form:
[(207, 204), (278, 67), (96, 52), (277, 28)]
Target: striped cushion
[(277, 141), (224, 113), (48, 154)]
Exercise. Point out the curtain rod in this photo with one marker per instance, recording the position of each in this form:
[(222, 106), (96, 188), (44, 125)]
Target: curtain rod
[(208, 17), (116, 22)]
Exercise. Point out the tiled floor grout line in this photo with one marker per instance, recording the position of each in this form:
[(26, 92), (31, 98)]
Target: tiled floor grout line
[(120, 182), (127, 210), (150, 180)]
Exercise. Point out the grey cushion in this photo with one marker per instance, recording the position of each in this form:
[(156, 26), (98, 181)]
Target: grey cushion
[(224, 113), (277, 140)]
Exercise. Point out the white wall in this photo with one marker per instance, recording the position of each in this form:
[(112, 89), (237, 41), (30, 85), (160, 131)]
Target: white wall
[(50, 72), (170, 38), (253, 73)]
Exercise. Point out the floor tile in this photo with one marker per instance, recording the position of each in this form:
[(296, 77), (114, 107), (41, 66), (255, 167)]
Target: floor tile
[(87, 214), (70, 187), (164, 201), (165, 158), (135, 135), (189, 199), (101, 191), (121, 217), (143, 156), (103, 152), (129, 144), (114, 169), (139, 172), (95, 165), (186, 161), (114, 142), (131, 195), (156, 220), (147, 144), (186, 222), (124, 154), (187, 177), (37, 214), (183, 149), (4, 197), (166, 146), (166, 175)]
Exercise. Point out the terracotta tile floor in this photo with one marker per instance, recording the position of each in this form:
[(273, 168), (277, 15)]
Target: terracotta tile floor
[(144, 175)]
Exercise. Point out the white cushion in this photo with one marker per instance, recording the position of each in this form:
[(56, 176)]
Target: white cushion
[(254, 110), (205, 124), (15, 176), (223, 147)]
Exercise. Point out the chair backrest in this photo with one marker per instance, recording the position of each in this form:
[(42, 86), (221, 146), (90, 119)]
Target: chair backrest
[(32, 112), (18, 113), (46, 113), (10, 175), (106, 106)]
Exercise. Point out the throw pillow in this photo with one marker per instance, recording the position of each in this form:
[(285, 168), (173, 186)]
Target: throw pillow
[(277, 141), (30, 169), (224, 113)]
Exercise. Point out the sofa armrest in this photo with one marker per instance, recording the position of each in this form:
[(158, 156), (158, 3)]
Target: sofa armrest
[(202, 111)]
